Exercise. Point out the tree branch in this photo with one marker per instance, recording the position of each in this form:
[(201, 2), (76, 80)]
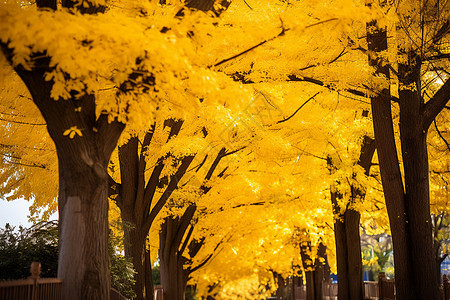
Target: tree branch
[(23, 164), (183, 225), (186, 240), (108, 134), (173, 184), (140, 192), (216, 161), (206, 260), (445, 28), (288, 118), (283, 31), (440, 135), (326, 85), (436, 104), (51, 4), (151, 187)]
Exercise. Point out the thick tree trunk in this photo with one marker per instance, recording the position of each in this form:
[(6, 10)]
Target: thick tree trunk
[(413, 136), (83, 263), (390, 171), (83, 187), (83, 222)]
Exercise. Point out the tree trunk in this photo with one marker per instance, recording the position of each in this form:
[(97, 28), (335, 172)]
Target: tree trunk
[(129, 198), (408, 207), (83, 263), (134, 196), (313, 270), (341, 256), (347, 237), (136, 250), (354, 259), (173, 275), (83, 187), (389, 168), (296, 281), (279, 294), (319, 271), (348, 253), (413, 138)]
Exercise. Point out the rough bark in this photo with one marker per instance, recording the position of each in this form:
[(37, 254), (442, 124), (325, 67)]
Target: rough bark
[(132, 177), (140, 257), (413, 136), (341, 256), (354, 259), (389, 168), (83, 187), (408, 205), (348, 253), (83, 262)]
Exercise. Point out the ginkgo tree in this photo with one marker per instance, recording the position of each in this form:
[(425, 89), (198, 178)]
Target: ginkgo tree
[(409, 54), (64, 57), (94, 67)]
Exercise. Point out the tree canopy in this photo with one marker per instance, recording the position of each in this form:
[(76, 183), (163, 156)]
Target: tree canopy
[(249, 126)]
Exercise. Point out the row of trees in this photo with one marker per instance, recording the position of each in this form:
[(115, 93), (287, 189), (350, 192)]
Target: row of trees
[(270, 136)]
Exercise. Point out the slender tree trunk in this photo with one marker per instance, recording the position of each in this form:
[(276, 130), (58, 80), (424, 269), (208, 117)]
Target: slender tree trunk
[(130, 193), (136, 250), (341, 256), (319, 271), (348, 253), (354, 259), (173, 275), (135, 195), (281, 285), (313, 270), (347, 237)]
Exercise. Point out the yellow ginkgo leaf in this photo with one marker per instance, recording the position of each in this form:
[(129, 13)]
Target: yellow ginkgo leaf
[(72, 131)]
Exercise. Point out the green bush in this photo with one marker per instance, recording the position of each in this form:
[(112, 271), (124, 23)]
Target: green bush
[(19, 248)]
